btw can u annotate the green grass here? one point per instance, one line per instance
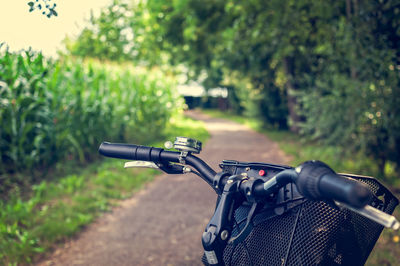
(56, 210)
(387, 249)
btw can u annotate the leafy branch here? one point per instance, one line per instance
(45, 6)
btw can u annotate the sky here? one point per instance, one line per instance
(21, 29)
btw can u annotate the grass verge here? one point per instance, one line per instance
(387, 249)
(54, 211)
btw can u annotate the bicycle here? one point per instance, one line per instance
(268, 214)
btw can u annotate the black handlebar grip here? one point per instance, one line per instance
(318, 181)
(130, 152)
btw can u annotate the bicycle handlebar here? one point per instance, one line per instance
(314, 179)
(240, 186)
(130, 152)
(156, 155)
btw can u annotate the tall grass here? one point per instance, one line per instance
(51, 111)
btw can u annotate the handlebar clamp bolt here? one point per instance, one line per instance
(224, 235)
(298, 169)
(168, 145)
(187, 169)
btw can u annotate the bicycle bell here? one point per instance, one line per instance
(186, 145)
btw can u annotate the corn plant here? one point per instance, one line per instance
(61, 110)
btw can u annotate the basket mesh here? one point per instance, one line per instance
(313, 233)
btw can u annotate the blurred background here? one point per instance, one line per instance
(321, 78)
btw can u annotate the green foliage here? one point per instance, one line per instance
(224, 42)
(357, 84)
(46, 7)
(303, 149)
(107, 37)
(60, 208)
(61, 110)
(326, 69)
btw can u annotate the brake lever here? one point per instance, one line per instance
(141, 164)
(248, 226)
(169, 168)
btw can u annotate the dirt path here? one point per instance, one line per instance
(162, 225)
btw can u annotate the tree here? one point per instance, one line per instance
(108, 36)
(326, 69)
(330, 67)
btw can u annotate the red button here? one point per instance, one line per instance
(261, 173)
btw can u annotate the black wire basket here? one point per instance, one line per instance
(309, 232)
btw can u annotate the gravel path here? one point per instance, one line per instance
(162, 224)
